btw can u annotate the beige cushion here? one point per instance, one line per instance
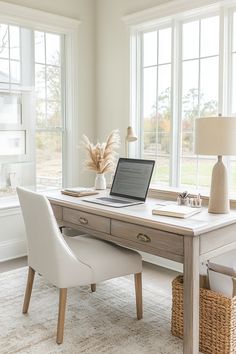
(106, 260)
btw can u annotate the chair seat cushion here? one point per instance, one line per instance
(105, 259)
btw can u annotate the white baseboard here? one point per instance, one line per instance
(166, 263)
(12, 249)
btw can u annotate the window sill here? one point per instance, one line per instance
(12, 202)
(167, 192)
(170, 193)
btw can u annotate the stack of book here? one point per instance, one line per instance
(177, 211)
(79, 191)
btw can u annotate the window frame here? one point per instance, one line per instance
(177, 13)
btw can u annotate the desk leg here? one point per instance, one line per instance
(191, 295)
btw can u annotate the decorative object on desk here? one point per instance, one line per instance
(196, 202)
(100, 181)
(217, 136)
(102, 157)
(130, 137)
(183, 198)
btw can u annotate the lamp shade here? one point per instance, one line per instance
(130, 135)
(215, 136)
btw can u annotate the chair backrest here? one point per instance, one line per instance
(48, 253)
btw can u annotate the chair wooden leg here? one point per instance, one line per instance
(28, 290)
(93, 288)
(138, 293)
(61, 315)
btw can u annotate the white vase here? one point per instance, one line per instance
(100, 181)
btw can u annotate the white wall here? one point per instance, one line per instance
(112, 63)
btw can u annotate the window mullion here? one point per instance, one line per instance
(27, 57)
(176, 103)
(227, 83)
(135, 90)
(140, 88)
(157, 99)
(199, 96)
(64, 126)
(224, 57)
(45, 73)
(228, 53)
(9, 56)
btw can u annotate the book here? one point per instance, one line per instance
(177, 211)
(79, 191)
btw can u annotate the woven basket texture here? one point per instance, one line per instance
(217, 319)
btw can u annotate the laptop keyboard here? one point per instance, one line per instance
(113, 200)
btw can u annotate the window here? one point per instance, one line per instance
(32, 118)
(185, 67)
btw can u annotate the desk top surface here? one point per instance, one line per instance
(141, 214)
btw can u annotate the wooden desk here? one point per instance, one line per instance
(187, 241)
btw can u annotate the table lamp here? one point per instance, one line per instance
(130, 137)
(217, 136)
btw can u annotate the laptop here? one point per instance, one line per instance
(130, 184)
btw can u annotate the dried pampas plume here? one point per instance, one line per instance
(102, 157)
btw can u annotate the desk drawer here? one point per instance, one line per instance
(90, 221)
(57, 210)
(147, 236)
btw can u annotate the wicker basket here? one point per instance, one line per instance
(217, 319)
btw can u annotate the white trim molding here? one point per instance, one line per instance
(34, 19)
(161, 13)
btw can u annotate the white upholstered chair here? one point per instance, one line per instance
(68, 262)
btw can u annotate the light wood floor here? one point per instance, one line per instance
(151, 273)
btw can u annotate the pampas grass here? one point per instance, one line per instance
(102, 157)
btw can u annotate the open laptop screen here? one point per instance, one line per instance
(132, 178)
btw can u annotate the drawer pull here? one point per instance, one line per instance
(143, 238)
(83, 221)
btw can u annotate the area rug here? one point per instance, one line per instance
(100, 322)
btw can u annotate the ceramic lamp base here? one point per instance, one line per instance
(219, 198)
